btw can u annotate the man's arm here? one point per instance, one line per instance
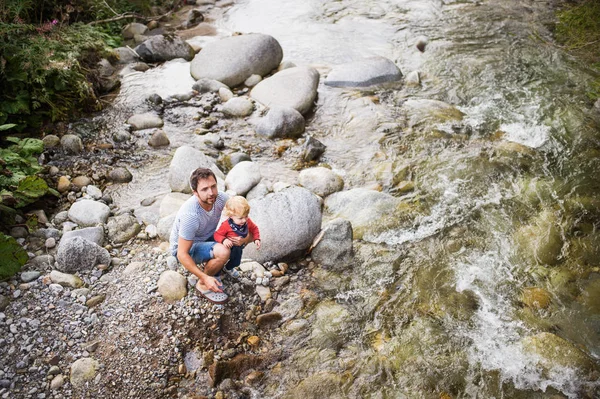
(183, 254)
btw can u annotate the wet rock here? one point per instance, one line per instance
(172, 285)
(171, 203)
(119, 175)
(234, 59)
(421, 44)
(132, 29)
(95, 301)
(185, 161)
(312, 149)
(205, 85)
(541, 241)
(77, 254)
(334, 250)
(590, 296)
(122, 228)
(238, 107)
(268, 319)
(83, 371)
(555, 351)
(125, 55)
(193, 18)
(89, 213)
(537, 298)
(293, 208)
(243, 177)
(145, 121)
(289, 308)
(258, 191)
(597, 105)
(295, 326)
(280, 122)
(233, 368)
(254, 378)
(159, 139)
(320, 385)
(65, 279)
(51, 141)
(321, 181)
(293, 88)
(330, 326)
(71, 144)
(413, 79)
(161, 48)
(93, 234)
(364, 73)
(423, 112)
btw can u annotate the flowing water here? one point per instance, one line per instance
(505, 200)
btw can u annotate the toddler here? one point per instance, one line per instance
(237, 224)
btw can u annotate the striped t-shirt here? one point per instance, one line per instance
(195, 224)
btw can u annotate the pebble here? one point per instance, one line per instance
(50, 243)
(16, 294)
(27, 277)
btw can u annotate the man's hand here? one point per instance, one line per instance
(237, 241)
(212, 283)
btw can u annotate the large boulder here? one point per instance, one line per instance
(321, 181)
(294, 88)
(171, 203)
(161, 48)
(77, 254)
(334, 249)
(88, 212)
(280, 122)
(234, 59)
(185, 161)
(288, 220)
(243, 177)
(93, 234)
(172, 285)
(122, 228)
(364, 73)
(165, 225)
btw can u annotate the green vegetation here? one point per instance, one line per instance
(13, 256)
(578, 29)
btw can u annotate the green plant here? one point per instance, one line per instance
(579, 26)
(13, 256)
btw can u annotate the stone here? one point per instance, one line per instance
(268, 319)
(252, 81)
(159, 139)
(63, 184)
(89, 213)
(541, 240)
(19, 232)
(534, 297)
(43, 261)
(82, 371)
(234, 59)
(334, 249)
(289, 308)
(121, 136)
(4, 302)
(94, 192)
(206, 85)
(280, 122)
(132, 29)
(321, 181)
(172, 286)
(119, 175)
(77, 254)
(295, 326)
(51, 141)
(164, 226)
(133, 268)
(105, 68)
(122, 228)
(95, 301)
(65, 279)
(125, 55)
(243, 177)
(364, 73)
(423, 113)
(171, 203)
(421, 44)
(93, 234)
(238, 107)
(225, 94)
(293, 88)
(319, 385)
(27, 277)
(71, 144)
(161, 48)
(57, 382)
(147, 120)
(553, 351)
(184, 162)
(258, 191)
(413, 79)
(81, 181)
(292, 209)
(263, 292)
(193, 18)
(50, 243)
(152, 231)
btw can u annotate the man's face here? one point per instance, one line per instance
(206, 192)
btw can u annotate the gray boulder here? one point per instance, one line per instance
(288, 221)
(122, 228)
(334, 250)
(312, 149)
(145, 121)
(242, 177)
(125, 55)
(77, 254)
(294, 88)
(161, 48)
(93, 234)
(89, 213)
(281, 122)
(119, 175)
(171, 203)
(364, 73)
(321, 181)
(206, 85)
(238, 107)
(258, 191)
(234, 59)
(164, 226)
(185, 161)
(71, 144)
(132, 29)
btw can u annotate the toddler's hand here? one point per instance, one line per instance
(227, 242)
(257, 242)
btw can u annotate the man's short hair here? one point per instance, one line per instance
(200, 174)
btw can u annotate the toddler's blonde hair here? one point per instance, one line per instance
(237, 206)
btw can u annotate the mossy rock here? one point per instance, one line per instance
(536, 191)
(328, 281)
(563, 280)
(307, 359)
(536, 298)
(321, 385)
(423, 113)
(586, 249)
(541, 241)
(555, 351)
(590, 297)
(331, 325)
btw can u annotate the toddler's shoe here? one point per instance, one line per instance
(233, 273)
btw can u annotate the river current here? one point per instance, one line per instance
(505, 200)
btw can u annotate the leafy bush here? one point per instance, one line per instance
(13, 256)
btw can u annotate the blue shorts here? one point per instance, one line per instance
(202, 251)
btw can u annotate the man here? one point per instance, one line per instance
(192, 235)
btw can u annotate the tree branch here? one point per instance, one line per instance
(127, 15)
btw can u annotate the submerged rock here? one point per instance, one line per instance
(145, 121)
(364, 73)
(541, 241)
(312, 149)
(294, 88)
(535, 297)
(429, 112)
(555, 351)
(334, 250)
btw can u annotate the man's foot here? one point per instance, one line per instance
(214, 297)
